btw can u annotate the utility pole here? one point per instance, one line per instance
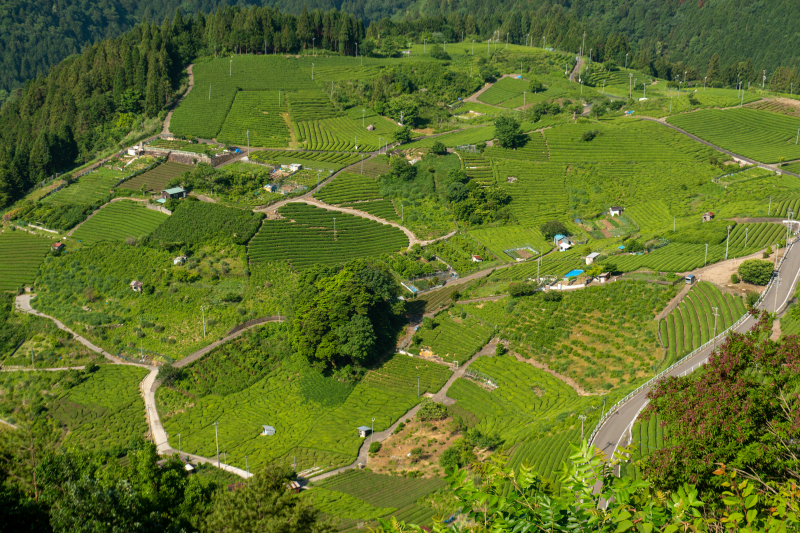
(582, 417)
(33, 365)
(705, 261)
(473, 46)
(363, 114)
(630, 85)
(716, 314)
(417, 386)
(246, 464)
(312, 71)
(727, 241)
(203, 308)
(523, 97)
(763, 79)
(583, 42)
(770, 202)
(230, 69)
(216, 439)
(248, 144)
(745, 237)
(179, 444)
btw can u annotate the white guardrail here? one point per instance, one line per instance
(687, 357)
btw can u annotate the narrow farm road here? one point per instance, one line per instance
(380, 436)
(23, 303)
(577, 69)
(59, 369)
(191, 358)
(165, 128)
(614, 430)
(474, 97)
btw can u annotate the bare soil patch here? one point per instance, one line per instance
(432, 438)
(720, 274)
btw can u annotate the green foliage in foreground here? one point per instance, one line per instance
(197, 222)
(756, 271)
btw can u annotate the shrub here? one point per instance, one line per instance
(375, 447)
(553, 296)
(400, 427)
(734, 278)
(756, 271)
(430, 410)
(91, 368)
(437, 148)
(169, 374)
(751, 299)
(552, 228)
(521, 289)
(589, 135)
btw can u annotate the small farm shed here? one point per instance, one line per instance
(363, 431)
(292, 167)
(175, 192)
(591, 257)
(137, 285)
(690, 279)
(615, 211)
(268, 431)
(563, 242)
(708, 216)
(370, 127)
(181, 259)
(477, 259)
(604, 277)
(58, 246)
(135, 150)
(293, 486)
(271, 187)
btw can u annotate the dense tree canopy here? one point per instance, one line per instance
(344, 315)
(756, 271)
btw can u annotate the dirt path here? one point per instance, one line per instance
(191, 358)
(440, 396)
(165, 128)
(576, 70)
(23, 303)
(674, 303)
(70, 232)
(60, 369)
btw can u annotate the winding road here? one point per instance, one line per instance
(614, 430)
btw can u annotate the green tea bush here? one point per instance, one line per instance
(197, 222)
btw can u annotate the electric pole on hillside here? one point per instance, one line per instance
(705, 261)
(203, 309)
(582, 417)
(334, 229)
(716, 314)
(763, 79)
(583, 42)
(216, 439)
(727, 241)
(630, 85)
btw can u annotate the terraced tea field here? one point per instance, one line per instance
(624, 140)
(547, 454)
(691, 324)
(678, 257)
(88, 189)
(344, 134)
(311, 105)
(347, 187)
(763, 136)
(454, 341)
(759, 235)
(104, 411)
(119, 220)
(503, 90)
(157, 178)
(538, 192)
(316, 433)
(379, 491)
(651, 216)
(22, 254)
(474, 135)
(259, 113)
(501, 241)
(534, 149)
(314, 160)
(527, 401)
(216, 82)
(477, 168)
(380, 208)
(306, 237)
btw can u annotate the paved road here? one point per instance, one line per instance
(615, 431)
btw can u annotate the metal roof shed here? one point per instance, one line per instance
(363, 431)
(268, 431)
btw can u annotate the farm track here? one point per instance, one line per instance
(70, 232)
(544, 368)
(165, 128)
(673, 304)
(474, 97)
(148, 385)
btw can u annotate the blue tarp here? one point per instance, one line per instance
(574, 273)
(621, 247)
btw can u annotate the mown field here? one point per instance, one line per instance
(157, 178)
(22, 254)
(119, 220)
(691, 324)
(306, 236)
